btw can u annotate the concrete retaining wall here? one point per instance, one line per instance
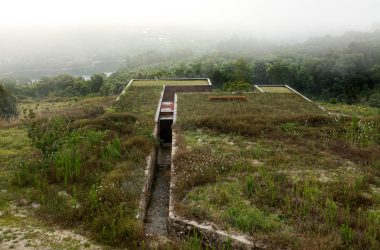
(149, 173)
(169, 91)
(148, 180)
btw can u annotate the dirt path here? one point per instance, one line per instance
(157, 213)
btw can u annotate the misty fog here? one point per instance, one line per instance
(84, 37)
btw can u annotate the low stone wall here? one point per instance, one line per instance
(148, 181)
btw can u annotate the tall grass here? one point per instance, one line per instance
(68, 163)
(92, 161)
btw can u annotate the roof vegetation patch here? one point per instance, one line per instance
(169, 82)
(227, 98)
(275, 89)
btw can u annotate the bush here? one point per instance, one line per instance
(374, 100)
(333, 101)
(114, 227)
(46, 134)
(237, 86)
(8, 104)
(251, 219)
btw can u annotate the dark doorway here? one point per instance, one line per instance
(166, 130)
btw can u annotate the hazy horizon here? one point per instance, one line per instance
(270, 19)
(61, 34)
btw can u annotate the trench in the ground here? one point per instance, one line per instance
(156, 218)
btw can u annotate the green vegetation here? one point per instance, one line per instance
(8, 104)
(140, 100)
(351, 110)
(65, 85)
(281, 169)
(237, 86)
(345, 68)
(83, 163)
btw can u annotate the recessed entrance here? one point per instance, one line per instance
(166, 130)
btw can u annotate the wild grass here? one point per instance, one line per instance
(88, 167)
(280, 168)
(141, 101)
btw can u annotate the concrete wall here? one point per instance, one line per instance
(169, 91)
(148, 180)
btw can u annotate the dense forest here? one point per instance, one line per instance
(342, 69)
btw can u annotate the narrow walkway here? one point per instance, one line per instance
(158, 208)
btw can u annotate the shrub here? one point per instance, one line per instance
(289, 127)
(347, 233)
(376, 138)
(67, 165)
(331, 212)
(113, 226)
(46, 134)
(237, 86)
(374, 100)
(8, 104)
(194, 242)
(333, 101)
(251, 219)
(112, 149)
(250, 185)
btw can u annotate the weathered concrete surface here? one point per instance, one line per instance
(148, 180)
(170, 91)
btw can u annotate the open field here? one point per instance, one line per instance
(274, 89)
(279, 169)
(168, 82)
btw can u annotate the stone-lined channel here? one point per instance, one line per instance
(156, 219)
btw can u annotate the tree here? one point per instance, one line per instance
(96, 82)
(242, 71)
(8, 104)
(375, 73)
(260, 72)
(374, 100)
(281, 72)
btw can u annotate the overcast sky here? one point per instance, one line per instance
(265, 18)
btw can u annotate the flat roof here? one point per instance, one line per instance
(275, 89)
(170, 82)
